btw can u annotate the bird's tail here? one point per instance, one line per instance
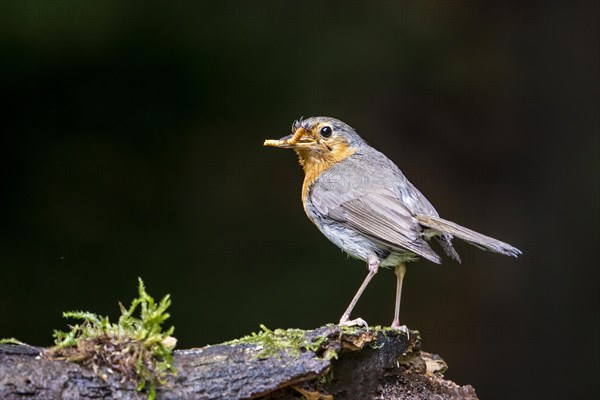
(472, 237)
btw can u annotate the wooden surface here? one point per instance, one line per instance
(370, 365)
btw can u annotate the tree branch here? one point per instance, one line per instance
(370, 364)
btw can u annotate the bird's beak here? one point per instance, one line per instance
(299, 139)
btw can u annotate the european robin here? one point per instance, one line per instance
(360, 200)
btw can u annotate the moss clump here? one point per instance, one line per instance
(135, 347)
(274, 343)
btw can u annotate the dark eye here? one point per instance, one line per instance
(326, 131)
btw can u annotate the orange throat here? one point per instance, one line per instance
(315, 163)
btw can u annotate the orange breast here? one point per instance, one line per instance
(316, 162)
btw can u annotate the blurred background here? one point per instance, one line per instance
(132, 147)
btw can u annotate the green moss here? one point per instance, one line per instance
(11, 340)
(274, 343)
(135, 346)
(353, 330)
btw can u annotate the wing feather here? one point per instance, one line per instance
(383, 218)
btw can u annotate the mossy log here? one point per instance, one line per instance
(339, 363)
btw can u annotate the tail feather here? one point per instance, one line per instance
(468, 235)
(445, 241)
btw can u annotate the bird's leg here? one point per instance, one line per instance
(345, 320)
(400, 271)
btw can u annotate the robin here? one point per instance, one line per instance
(360, 200)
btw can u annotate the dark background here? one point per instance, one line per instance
(132, 146)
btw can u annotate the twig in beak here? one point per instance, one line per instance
(272, 143)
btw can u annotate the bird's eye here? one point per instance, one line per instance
(326, 131)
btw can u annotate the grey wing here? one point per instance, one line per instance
(419, 204)
(381, 217)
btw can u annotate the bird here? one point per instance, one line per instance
(361, 201)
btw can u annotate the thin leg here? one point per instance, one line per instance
(400, 271)
(345, 320)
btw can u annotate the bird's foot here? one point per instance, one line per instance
(401, 328)
(345, 321)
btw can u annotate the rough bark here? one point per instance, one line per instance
(369, 365)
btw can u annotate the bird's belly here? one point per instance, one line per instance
(398, 257)
(358, 246)
(354, 243)
(349, 240)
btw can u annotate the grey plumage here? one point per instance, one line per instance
(382, 207)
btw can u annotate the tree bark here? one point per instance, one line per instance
(370, 364)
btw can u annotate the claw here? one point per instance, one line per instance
(401, 328)
(354, 322)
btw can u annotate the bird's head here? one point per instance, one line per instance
(320, 141)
